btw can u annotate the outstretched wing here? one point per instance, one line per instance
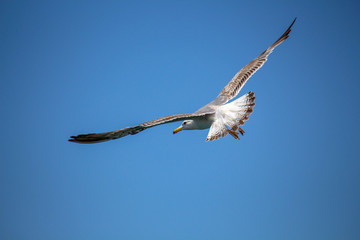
(234, 86)
(106, 136)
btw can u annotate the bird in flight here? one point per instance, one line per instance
(221, 117)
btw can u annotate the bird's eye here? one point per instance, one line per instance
(184, 123)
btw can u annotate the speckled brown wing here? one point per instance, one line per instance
(234, 86)
(106, 136)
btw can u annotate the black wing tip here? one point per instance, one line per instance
(88, 138)
(78, 140)
(72, 139)
(293, 22)
(289, 28)
(75, 139)
(282, 38)
(286, 34)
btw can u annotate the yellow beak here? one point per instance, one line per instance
(177, 130)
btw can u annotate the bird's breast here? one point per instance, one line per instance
(203, 123)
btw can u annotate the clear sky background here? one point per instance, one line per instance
(71, 67)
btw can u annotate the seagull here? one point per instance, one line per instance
(221, 117)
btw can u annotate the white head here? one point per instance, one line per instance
(186, 125)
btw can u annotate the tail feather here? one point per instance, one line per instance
(233, 115)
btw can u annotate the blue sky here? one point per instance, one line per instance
(71, 67)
